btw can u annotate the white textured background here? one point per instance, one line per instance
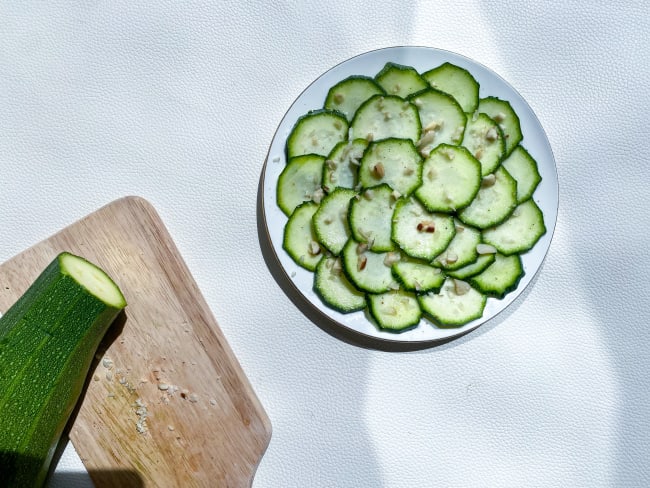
(178, 101)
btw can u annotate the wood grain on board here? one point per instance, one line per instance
(167, 403)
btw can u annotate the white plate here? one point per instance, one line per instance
(422, 59)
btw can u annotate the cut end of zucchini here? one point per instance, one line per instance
(93, 279)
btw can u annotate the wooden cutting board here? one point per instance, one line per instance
(166, 404)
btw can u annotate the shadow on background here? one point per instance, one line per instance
(118, 478)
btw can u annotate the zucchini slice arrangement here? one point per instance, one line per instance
(409, 196)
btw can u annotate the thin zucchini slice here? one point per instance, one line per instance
(482, 262)
(503, 114)
(331, 220)
(300, 241)
(348, 94)
(400, 80)
(519, 232)
(501, 277)
(523, 168)
(418, 276)
(341, 168)
(451, 177)
(333, 287)
(300, 179)
(484, 139)
(443, 120)
(462, 248)
(419, 233)
(395, 310)
(384, 116)
(456, 81)
(456, 304)
(370, 217)
(368, 271)
(494, 202)
(395, 162)
(317, 132)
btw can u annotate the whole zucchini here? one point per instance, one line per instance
(47, 342)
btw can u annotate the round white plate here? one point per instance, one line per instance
(422, 59)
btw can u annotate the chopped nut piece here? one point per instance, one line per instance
(370, 137)
(314, 248)
(362, 247)
(479, 153)
(488, 180)
(451, 257)
(318, 195)
(461, 287)
(491, 135)
(391, 258)
(427, 138)
(395, 194)
(369, 194)
(378, 170)
(426, 226)
(338, 98)
(361, 264)
(459, 228)
(331, 164)
(500, 117)
(485, 249)
(408, 171)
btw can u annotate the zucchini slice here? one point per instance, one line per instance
(384, 116)
(348, 94)
(317, 132)
(462, 248)
(331, 220)
(442, 119)
(523, 168)
(456, 304)
(370, 217)
(520, 232)
(368, 271)
(419, 233)
(395, 162)
(299, 180)
(48, 339)
(333, 287)
(500, 277)
(418, 276)
(503, 114)
(341, 168)
(395, 310)
(484, 139)
(494, 202)
(300, 240)
(400, 80)
(456, 81)
(451, 177)
(482, 262)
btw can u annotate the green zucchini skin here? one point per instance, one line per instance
(48, 339)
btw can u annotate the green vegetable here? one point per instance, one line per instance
(47, 342)
(424, 206)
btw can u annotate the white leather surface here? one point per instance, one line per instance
(178, 101)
